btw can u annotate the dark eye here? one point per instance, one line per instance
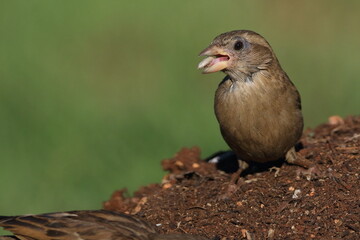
(238, 45)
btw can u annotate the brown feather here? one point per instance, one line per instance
(83, 225)
(76, 225)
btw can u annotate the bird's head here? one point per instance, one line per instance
(237, 53)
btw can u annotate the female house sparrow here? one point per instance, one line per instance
(84, 225)
(257, 106)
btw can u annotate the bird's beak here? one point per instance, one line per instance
(217, 59)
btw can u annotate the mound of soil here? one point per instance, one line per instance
(288, 202)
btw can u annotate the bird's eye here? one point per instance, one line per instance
(238, 45)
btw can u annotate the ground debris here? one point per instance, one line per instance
(275, 206)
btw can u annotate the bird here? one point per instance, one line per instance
(257, 106)
(84, 225)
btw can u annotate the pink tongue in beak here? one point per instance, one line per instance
(214, 63)
(219, 59)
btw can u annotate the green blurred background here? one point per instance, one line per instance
(95, 93)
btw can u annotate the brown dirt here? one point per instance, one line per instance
(291, 203)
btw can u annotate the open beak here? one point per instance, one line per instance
(217, 59)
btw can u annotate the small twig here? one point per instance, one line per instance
(355, 136)
(196, 207)
(341, 182)
(332, 152)
(352, 227)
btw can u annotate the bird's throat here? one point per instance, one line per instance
(240, 76)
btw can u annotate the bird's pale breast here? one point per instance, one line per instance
(259, 120)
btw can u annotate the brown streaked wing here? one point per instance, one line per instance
(77, 225)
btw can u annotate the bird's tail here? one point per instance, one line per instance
(8, 238)
(3, 218)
